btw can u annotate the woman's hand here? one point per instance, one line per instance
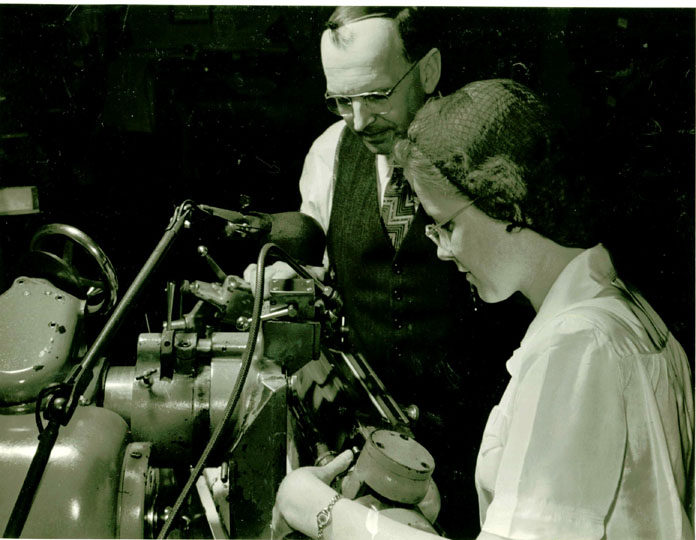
(304, 493)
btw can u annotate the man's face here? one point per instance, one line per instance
(373, 61)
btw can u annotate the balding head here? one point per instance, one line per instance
(366, 55)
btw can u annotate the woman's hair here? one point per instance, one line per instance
(497, 143)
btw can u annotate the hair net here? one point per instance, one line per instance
(496, 141)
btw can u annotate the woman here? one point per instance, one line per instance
(593, 435)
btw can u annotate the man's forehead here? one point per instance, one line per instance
(369, 40)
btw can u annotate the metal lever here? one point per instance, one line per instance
(171, 289)
(203, 252)
(290, 310)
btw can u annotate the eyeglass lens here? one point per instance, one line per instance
(374, 103)
(437, 234)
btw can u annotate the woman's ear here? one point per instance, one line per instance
(430, 70)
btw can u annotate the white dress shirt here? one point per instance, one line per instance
(317, 180)
(594, 433)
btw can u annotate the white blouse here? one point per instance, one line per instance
(593, 436)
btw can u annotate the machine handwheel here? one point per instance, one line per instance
(52, 251)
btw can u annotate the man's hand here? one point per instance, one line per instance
(277, 270)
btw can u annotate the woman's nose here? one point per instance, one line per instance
(444, 254)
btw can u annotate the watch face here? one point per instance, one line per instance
(323, 517)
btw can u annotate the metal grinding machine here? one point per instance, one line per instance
(192, 437)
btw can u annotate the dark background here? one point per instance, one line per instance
(119, 113)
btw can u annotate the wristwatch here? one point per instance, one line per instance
(324, 516)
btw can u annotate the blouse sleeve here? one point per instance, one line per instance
(562, 461)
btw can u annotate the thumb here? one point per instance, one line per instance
(249, 275)
(335, 467)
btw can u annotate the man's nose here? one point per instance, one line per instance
(362, 117)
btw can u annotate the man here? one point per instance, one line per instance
(402, 305)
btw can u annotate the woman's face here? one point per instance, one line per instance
(479, 245)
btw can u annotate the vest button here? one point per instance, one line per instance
(398, 296)
(396, 268)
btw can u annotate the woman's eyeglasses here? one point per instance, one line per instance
(440, 233)
(374, 102)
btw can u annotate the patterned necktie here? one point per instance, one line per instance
(398, 207)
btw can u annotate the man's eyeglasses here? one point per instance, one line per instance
(440, 233)
(374, 102)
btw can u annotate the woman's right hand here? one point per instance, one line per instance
(305, 492)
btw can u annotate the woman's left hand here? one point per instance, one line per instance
(303, 494)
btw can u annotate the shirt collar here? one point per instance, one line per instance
(582, 278)
(385, 164)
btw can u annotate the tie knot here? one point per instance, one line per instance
(397, 177)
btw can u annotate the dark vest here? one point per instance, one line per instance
(406, 310)
(411, 315)
(401, 307)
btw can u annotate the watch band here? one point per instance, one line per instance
(324, 516)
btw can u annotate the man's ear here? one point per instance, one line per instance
(430, 70)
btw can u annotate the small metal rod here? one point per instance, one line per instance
(212, 516)
(171, 291)
(290, 310)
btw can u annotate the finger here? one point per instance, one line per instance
(278, 270)
(249, 275)
(335, 467)
(267, 278)
(283, 270)
(317, 271)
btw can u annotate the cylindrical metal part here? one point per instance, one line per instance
(78, 493)
(118, 390)
(227, 344)
(223, 376)
(395, 466)
(165, 411)
(178, 412)
(138, 481)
